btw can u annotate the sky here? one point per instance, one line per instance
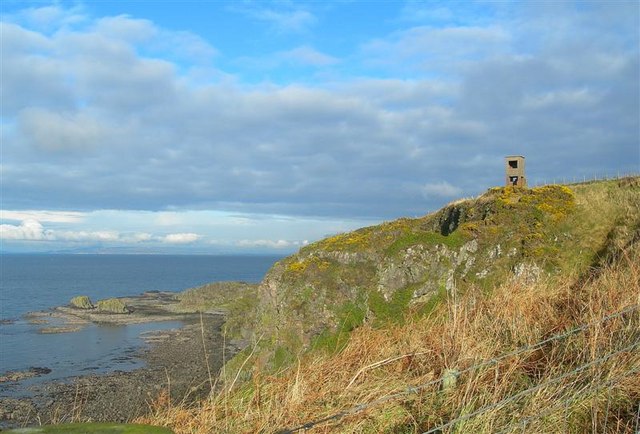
(262, 126)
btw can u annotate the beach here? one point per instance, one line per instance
(180, 364)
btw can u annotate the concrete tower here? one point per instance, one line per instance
(514, 165)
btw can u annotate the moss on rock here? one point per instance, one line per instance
(112, 305)
(81, 302)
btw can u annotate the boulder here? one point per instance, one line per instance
(112, 305)
(81, 302)
(449, 379)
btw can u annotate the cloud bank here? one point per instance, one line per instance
(119, 113)
(33, 230)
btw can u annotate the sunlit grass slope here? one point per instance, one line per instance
(492, 346)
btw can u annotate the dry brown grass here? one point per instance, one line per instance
(459, 334)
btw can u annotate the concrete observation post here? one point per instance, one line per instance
(514, 167)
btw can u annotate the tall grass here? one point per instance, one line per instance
(456, 335)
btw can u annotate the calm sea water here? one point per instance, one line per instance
(39, 282)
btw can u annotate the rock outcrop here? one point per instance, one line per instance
(384, 272)
(81, 302)
(112, 305)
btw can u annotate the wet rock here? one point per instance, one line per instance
(59, 329)
(21, 375)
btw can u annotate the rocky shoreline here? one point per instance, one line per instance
(179, 365)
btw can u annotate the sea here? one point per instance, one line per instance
(36, 282)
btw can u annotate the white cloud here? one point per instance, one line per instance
(123, 27)
(84, 236)
(125, 126)
(181, 238)
(55, 131)
(299, 57)
(31, 75)
(43, 216)
(186, 45)
(52, 17)
(138, 237)
(422, 11)
(206, 230)
(306, 55)
(441, 189)
(578, 98)
(288, 21)
(285, 20)
(272, 244)
(438, 49)
(31, 230)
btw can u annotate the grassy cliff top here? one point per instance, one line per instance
(381, 273)
(552, 350)
(424, 320)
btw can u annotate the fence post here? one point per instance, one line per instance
(606, 413)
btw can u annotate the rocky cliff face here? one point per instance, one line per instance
(380, 273)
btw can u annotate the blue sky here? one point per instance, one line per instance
(246, 126)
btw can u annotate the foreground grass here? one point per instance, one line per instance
(92, 428)
(586, 382)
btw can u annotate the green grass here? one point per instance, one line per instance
(393, 310)
(433, 302)
(93, 428)
(455, 240)
(350, 315)
(218, 295)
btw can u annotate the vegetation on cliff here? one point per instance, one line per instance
(459, 333)
(384, 273)
(237, 300)
(358, 317)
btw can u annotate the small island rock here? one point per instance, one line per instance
(112, 305)
(82, 302)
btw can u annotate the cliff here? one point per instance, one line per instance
(516, 311)
(405, 267)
